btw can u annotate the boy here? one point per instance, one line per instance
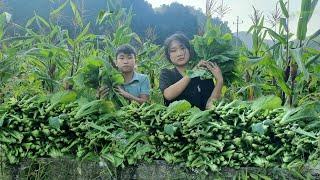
(136, 86)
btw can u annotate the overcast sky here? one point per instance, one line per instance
(243, 8)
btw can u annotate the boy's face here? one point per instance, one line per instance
(126, 62)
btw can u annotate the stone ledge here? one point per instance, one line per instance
(66, 168)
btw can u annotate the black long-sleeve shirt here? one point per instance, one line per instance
(197, 92)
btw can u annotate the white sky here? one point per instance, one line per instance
(243, 8)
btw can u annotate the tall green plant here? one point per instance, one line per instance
(297, 59)
(249, 64)
(150, 60)
(214, 46)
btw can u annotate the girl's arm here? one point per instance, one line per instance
(176, 89)
(216, 93)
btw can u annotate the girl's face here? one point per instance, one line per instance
(179, 54)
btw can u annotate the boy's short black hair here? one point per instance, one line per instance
(126, 49)
(181, 38)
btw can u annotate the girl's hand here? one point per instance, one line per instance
(201, 64)
(214, 69)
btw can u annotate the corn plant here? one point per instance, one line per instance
(150, 60)
(289, 67)
(253, 83)
(294, 57)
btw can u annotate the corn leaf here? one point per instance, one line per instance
(2, 119)
(30, 21)
(313, 36)
(307, 112)
(306, 11)
(76, 13)
(297, 56)
(312, 59)
(59, 9)
(284, 9)
(43, 21)
(82, 36)
(303, 132)
(276, 36)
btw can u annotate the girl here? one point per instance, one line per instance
(176, 85)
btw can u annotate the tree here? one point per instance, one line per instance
(161, 22)
(175, 18)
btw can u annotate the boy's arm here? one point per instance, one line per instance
(144, 92)
(141, 99)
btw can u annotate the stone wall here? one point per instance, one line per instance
(68, 169)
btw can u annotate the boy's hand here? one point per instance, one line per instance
(123, 93)
(102, 92)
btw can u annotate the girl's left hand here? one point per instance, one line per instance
(214, 69)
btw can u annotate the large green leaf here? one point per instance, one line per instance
(313, 36)
(179, 106)
(43, 21)
(260, 128)
(105, 129)
(284, 9)
(170, 129)
(30, 21)
(2, 119)
(55, 122)
(196, 73)
(82, 36)
(115, 159)
(4, 18)
(297, 56)
(59, 9)
(102, 16)
(76, 13)
(283, 23)
(89, 108)
(267, 103)
(303, 132)
(94, 61)
(312, 8)
(63, 97)
(277, 36)
(216, 47)
(307, 112)
(254, 60)
(2, 25)
(303, 19)
(276, 72)
(117, 78)
(312, 60)
(306, 12)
